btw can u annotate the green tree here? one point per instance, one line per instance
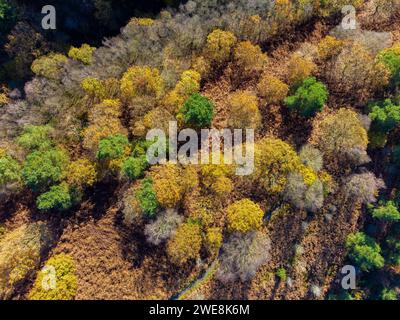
(10, 171)
(44, 168)
(58, 198)
(147, 198)
(309, 98)
(112, 147)
(389, 294)
(197, 111)
(35, 137)
(385, 117)
(364, 251)
(133, 167)
(386, 211)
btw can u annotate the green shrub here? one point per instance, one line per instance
(197, 111)
(147, 198)
(390, 57)
(133, 167)
(112, 147)
(364, 251)
(43, 168)
(386, 211)
(64, 284)
(58, 198)
(35, 137)
(309, 98)
(281, 274)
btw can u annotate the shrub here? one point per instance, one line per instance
(244, 216)
(341, 135)
(163, 228)
(43, 168)
(35, 137)
(243, 111)
(242, 255)
(58, 198)
(81, 173)
(133, 167)
(147, 198)
(311, 157)
(249, 60)
(112, 147)
(299, 69)
(385, 118)
(197, 111)
(219, 46)
(281, 274)
(65, 281)
(142, 81)
(329, 47)
(364, 251)
(20, 252)
(49, 66)
(94, 88)
(186, 243)
(273, 90)
(82, 54)
(309, 98)
(363, 187)
(386, 211)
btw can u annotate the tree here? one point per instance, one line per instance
(134, 167)
(243, 111)
(43, 168)
(142, 81)
(112, 147)
(242, 255)
(390, 58)
(66, 281)
(81, 173)
(386, 211)
(341, 135)
(20, 253)
(186, 243)
(163, 228)
(248, 59)
(10, 172)
(386, 117)
(309, 98)
(274, 159)
(49, 66)
(311, 157)
(35, 137)
(364, 251)
(244, 216)
(356, 74)
(58, 198)
(147, 198)
(389, 294)
(219, 46)
(82, 54)
(299, 69)
(329, 47)
(363, 187)
(197, 111)
(273, 90)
